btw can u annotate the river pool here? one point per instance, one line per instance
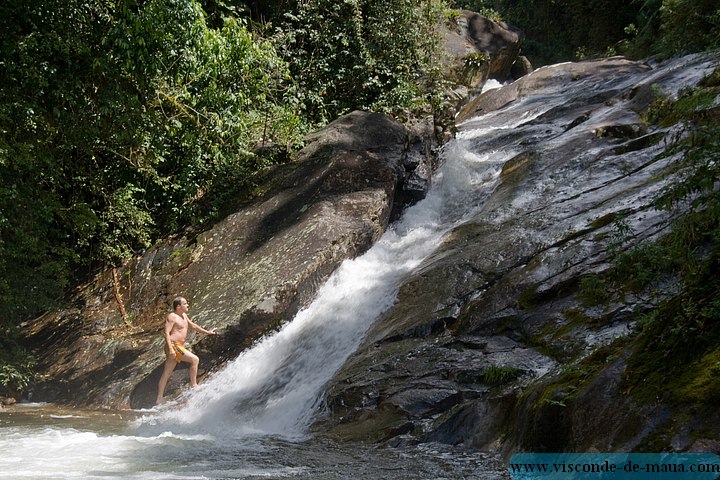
(43, 441)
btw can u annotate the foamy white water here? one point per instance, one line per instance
(89, 446)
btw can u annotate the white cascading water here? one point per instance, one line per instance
(276, 386)
(275, 389)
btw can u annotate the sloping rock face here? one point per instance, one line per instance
(248, 274)
(490, 345)
(550, 78)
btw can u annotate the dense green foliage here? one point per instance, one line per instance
(681, 337)
(120, 123)
(562, 30)
(378, 55)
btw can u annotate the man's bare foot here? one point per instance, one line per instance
(160, 401)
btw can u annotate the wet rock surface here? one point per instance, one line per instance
(476, 352)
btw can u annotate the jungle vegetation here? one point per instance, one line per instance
(125, 121)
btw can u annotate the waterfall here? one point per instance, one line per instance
(276, 386)
(242, 421)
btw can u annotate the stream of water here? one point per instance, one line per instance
(46, 442)
(250, 420)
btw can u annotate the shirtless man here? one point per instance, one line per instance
(177, 324)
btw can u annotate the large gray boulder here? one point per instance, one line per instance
(249, 273)
(481, 48)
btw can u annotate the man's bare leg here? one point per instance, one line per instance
(194, 362)
(170, 365)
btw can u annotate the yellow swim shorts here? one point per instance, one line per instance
(178, 350)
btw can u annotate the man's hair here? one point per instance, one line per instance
(177, 302)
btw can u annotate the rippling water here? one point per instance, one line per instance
(40, 441)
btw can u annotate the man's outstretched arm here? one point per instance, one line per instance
(198, 328)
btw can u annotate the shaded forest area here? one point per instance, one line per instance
(123, 122)
(565, 30)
